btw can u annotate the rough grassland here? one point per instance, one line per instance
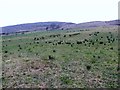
(71, 58)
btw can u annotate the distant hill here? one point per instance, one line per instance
(29, 27)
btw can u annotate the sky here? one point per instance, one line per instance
(14, 12)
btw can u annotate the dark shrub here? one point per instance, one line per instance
(5, 56)
(42, 38)
(6, 51)
(101, 42)
(35, 38)
(36, 54)
(99, 57)
(107, 36)
(47, 28)
(59, 42)
(50, 57)
(83, 41)
(98, 32)
(86, 40)
(90, 40)
(37, 42)
(67, 42)
(90, 34)
(70, 35)
(92, 43)
(88, 67)
(93, 56)
(79, 42)
(54, 50)
(64, 36)
(19, 55)
(104, 43)
(108, 41)
(96, 40)
(49, 42)
(20, 48)
(111, 48)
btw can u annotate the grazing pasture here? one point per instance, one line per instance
(61, 58)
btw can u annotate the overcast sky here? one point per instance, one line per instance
(77, 11)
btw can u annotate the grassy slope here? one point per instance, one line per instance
(45, 63)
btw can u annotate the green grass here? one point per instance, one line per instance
(45, 63)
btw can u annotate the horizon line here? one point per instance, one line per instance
(56, 21)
